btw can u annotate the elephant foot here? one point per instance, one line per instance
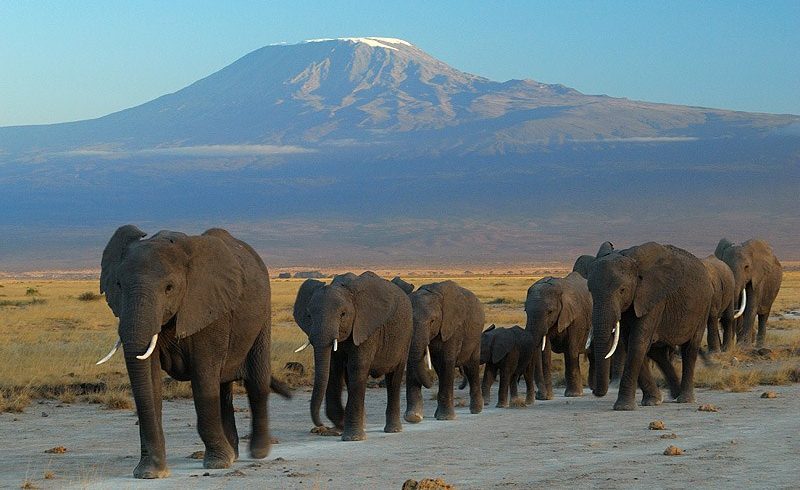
(529, 399)
(147, 469)
(651, 401)
(476, 406)
(354, 435)
(502, 404)
(685, 398)
(216, 459)
(621, 405)
(445, 414)
(413, 416)
(573, 392)
(540, 395)
(392, 427)
(259, 446)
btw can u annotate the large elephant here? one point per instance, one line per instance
(450, 320)
(656, 297)
(359, 326)
(197, 307)
(722, 310)
(510, 352)
(757, 278)
(559, 315)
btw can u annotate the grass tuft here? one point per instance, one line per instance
(89, 296)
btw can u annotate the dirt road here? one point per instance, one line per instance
(565, 442)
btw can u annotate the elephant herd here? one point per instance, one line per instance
(198, 307)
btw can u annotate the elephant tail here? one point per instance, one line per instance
(280, 388)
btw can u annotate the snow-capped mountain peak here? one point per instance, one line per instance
(375, 42)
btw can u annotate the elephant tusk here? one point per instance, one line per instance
(302, 347)
(740, 311)
(428, 357)
(335, 345)
(150, 349)
(108, 356)
(616, 341)
(544, 342)
(589, 340)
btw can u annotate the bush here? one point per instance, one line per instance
(31, 292)
(88, 296)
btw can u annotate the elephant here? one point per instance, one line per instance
(559, 315)
(655, 297)
(757, 278)
(450, 320)
(197, 307)
(581, 266)
(722, 311)
(509, 351)
(407, 287)
(359, 326)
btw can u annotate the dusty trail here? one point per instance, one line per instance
(750, 442)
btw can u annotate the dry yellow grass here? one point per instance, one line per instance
(49, 347)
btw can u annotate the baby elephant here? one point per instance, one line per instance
(510, 351)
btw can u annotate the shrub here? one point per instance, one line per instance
(31, 292)
(88, 296)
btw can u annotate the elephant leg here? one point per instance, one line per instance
(689, 353)
(502, 392)
(414, 403)
(651, 393)
(572, 372)
(746, 335)
(712, 336)
(207, 404)
(662, 354)
(472, 370)
(153, 461)
(514, 385)
(444, 407)
(257, 384)
(334, 409)
(489, 373)
(228, 419)
(529, 390)
(762, 329)
(728, 331)
(357, 373)
(590, 358)
(394, 381)
(638, 344)
(618, 362)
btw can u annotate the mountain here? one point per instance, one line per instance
(373, 148)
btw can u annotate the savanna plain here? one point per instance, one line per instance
(66, 422)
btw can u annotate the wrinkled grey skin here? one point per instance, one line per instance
(722, 307)
(508, 351)
(756, 270)
(581, 266)
(450, 320)
(407, 287)
(661, 295)
(208, 299)
(560, 310)
(372, 320)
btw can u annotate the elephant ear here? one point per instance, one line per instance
(454, 311)
(576, 303)
(723, 245)
(582, 264)
(656, 282)
(487, 340)
(374, 306)
(112, 257)
(213, 284)
(503, 343)
(304, 294)
(569, 309)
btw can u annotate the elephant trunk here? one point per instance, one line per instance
(322, 365)
(417, 360)
(604, 321)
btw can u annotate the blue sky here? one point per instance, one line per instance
(62, 61)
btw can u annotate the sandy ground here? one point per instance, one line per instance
(565, 442)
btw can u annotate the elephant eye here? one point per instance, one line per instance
(169, 287)
(119, 285)
(343, 314)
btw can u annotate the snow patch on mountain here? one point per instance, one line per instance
(375, 42)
